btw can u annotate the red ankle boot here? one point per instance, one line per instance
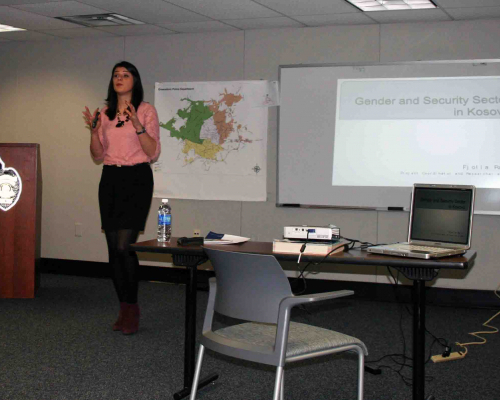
(131, 319)
(119, 322)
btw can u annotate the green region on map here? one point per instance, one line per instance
(195, 114)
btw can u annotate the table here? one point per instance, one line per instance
(419, 271)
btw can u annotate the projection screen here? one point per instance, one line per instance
(361, 135)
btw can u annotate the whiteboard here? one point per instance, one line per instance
(359, 136)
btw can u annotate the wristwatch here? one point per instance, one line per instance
(141, 131)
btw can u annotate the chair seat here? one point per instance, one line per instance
(302, 339)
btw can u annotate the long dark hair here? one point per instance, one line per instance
(137, 90)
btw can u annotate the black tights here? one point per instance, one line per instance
(124, 263)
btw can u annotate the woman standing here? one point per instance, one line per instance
(126, 137)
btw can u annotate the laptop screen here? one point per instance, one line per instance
(442, 214)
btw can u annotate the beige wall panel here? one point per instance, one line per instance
(55, 81)
(392, 226)
(185, 58)
(266, 50)
(353, 224)
(457, 40)
(206, 216)
(10, 111)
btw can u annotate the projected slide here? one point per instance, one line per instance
(394, 132)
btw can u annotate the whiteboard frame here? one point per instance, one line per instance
(406, 190)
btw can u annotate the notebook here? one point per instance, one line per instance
(440, 222)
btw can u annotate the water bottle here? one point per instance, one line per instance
(164, 221)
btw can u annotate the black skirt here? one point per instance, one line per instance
(125, 195)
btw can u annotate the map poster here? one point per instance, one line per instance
(213, 139)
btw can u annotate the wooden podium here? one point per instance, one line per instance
(20, 219)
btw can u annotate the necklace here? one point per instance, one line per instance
(120, 122)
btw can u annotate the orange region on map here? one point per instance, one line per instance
(224, 128)
(229, 98)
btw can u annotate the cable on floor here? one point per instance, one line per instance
(479, 333)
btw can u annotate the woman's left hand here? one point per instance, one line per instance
(131, 112)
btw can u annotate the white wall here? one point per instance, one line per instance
(44, 86)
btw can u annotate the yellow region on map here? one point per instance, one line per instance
(206, 150)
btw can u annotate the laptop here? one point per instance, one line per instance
(440, 222)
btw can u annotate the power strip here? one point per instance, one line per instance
(451, 357)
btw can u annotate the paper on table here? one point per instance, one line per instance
(225, 239)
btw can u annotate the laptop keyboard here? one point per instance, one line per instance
(427, 248)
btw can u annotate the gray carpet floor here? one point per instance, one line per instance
(60, 346)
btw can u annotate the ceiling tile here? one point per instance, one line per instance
(150, 11)
(428, 15)
(336, 19)
(25, 36)
(172, 16)
(78, 33)
(60, 9)
(15, 2)
(227, 9)
(309, 7)
(135, 30)
(261, 23)
(22, 19)
(466, 3)
(474, 13)
(191, 27)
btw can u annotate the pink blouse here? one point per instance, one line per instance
(121, 145)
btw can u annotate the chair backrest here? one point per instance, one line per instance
(249, 286)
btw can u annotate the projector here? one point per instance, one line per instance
(303, 232)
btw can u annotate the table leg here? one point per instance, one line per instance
(191, 263)
(419, 276)
(418, 339)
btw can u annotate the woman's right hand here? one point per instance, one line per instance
(89, 118)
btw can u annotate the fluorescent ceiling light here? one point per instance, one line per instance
(7, 28)
(391, 5)
(96, 20)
